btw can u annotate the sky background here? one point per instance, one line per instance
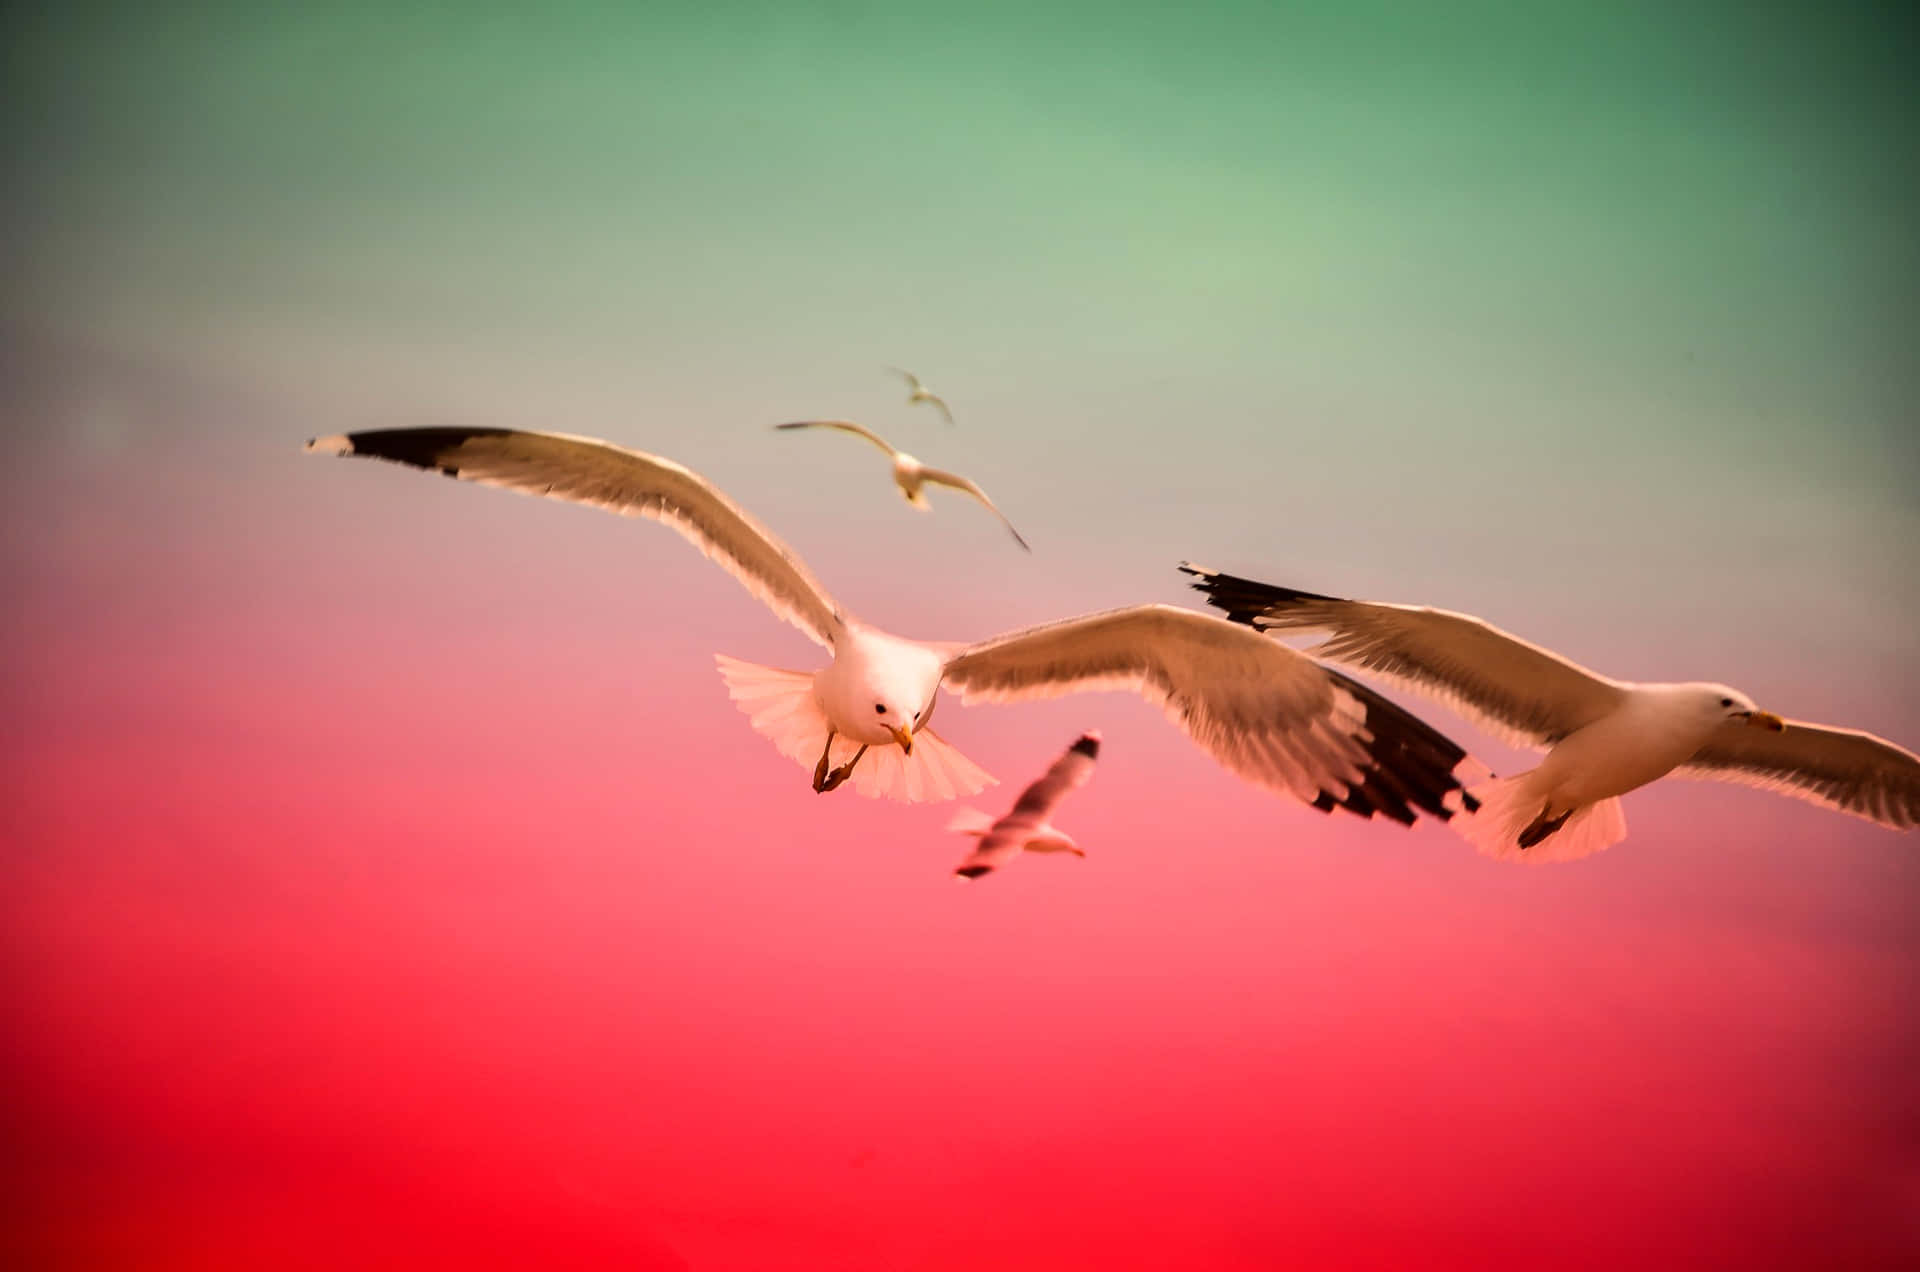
(388, 880)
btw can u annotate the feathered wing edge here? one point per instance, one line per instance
(1395, 764)
(598, 474)
(1383, 653)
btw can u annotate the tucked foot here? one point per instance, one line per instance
(1542, 827)
(838, 775)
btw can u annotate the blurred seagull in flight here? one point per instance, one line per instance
(1263, 711)
(911, 475)
(1026, 828)
(923, 394)
(1602, 737)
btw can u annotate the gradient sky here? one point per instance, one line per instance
(387, 879)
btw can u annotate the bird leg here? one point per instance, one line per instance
(1542, 827)
(845, 771)
(823, 780)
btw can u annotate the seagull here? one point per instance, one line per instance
(910, 474)
(1026, 828)
(1263, 711)
(1603, 737)
(921, 393)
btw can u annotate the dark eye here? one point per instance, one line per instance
(916, 715)
(1726, 702)
(880, 708)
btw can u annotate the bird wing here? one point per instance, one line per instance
(845, 426)
(940, 477)
(1266, 712)
(909, 377)
(1842, 769)
(1068, 774)
(582, 470)
(945, 410)
(1522, 693)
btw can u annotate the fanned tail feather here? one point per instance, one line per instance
(1510, 805)
(782, 708)
(779, 705)
(935, 771)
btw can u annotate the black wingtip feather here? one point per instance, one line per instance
(1413, 763)
(428, 448)
(1245, 599)
(1088, 745)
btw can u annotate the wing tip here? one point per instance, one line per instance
(1088, 744)
(332, 444)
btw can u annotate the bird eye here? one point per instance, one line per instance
(1726, 702)
(880, 708)
(916, 715)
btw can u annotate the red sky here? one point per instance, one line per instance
(389, 881)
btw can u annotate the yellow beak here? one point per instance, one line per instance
(1768, 721)
(901, 736)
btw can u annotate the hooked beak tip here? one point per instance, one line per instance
(1768, 721)
(904, 738)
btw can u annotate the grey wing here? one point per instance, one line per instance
(941, 477)
(1522, 693)
(1266, 712)
(585, 471)
(1067, 774)
(913, 381)
(1841, 769)
(844, 426)
(940, 402)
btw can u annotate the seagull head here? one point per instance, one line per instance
(898, 714)
(1731, 704)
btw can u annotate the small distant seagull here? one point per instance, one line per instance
(1603, 737)
(1026, 828)
(910, 474)
(921, 393)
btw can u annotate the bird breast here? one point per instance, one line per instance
(1646, 739)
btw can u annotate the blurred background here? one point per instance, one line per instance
(387, 879)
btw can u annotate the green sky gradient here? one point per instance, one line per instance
(1635, 267)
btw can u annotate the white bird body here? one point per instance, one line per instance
(1602, 737)
(873, 667)
(1657, 729)
(910, 474)
(1264, 712)
(1046, 837)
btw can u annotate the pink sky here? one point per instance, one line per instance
(390, 881)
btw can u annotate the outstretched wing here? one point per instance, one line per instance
(1522, 693)
(1841, 769)
(913, 381)
(1264, 711)
(584, 471)
(941, 403)
(845, 426)
(939, 477)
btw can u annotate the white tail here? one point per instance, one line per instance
(782, 708)
(970, 821)
(1509, 805)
